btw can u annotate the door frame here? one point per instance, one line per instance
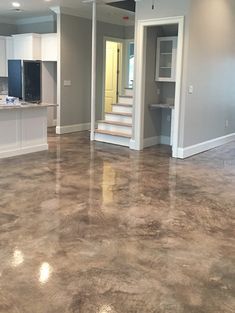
(117, 40)
(126, 55)
(137, 141)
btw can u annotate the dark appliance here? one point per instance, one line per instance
(24, 80)
(128, 5)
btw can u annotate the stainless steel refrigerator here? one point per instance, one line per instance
(24, 80)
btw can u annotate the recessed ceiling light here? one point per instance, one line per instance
(16, 4)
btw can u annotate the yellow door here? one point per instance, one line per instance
(111, 74)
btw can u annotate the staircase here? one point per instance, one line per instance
(116, 128)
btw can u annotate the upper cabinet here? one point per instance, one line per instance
(6, 49)
(49, 47)
(27, 47)
(166, 59)
(35, 47)
(3, 57)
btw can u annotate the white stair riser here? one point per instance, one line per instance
(116, 140)
(115, 128)
(129, 92)
(118, 118)
(125, 100)
(122, 109)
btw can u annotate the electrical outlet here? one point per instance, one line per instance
(226, 124)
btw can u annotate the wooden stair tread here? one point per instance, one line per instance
(124, 96)
(116, 123)
(120, 113)
(128, 105)
(108, 132)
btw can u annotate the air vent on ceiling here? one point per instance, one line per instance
(128, 5)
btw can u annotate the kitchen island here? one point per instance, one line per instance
(23, 128)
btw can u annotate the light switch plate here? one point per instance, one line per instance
(67, 83)
(190, 89)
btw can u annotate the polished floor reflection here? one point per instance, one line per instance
(94, 228)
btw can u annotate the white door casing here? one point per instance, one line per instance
(137, 142)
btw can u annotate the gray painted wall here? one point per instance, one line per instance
(76, 66)
(211, 70)
(129, 32)
(208, 64)
(40, 28)
(7, 29)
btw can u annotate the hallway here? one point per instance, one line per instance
(95, 228)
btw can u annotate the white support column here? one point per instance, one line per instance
(93, 72)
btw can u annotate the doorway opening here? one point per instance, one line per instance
(113, 73)
(158, 75)
(131, 61)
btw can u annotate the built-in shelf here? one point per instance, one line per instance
(161, 106)
(166, 59)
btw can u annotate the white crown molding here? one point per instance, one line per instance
(56, 10)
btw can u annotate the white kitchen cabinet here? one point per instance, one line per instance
(27, 46)
(3, 57)
(49, 47)
(166, 59)
(9, 51)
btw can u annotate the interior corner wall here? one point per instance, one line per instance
(76, 66)
(211, 71)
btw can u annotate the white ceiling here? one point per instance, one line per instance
(33, 8)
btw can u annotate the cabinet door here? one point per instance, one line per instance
(49, 47)
(166, 59)
(9, 51)
(23, 45)
(27, 47)
(3, 69)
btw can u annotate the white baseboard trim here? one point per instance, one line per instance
(23, 150)
(72, 128)
(134, 146)
(157, 140)
(151, 141)
(204, 146)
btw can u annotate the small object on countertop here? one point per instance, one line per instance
(12, 100)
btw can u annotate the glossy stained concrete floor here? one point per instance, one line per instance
(94, 228)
